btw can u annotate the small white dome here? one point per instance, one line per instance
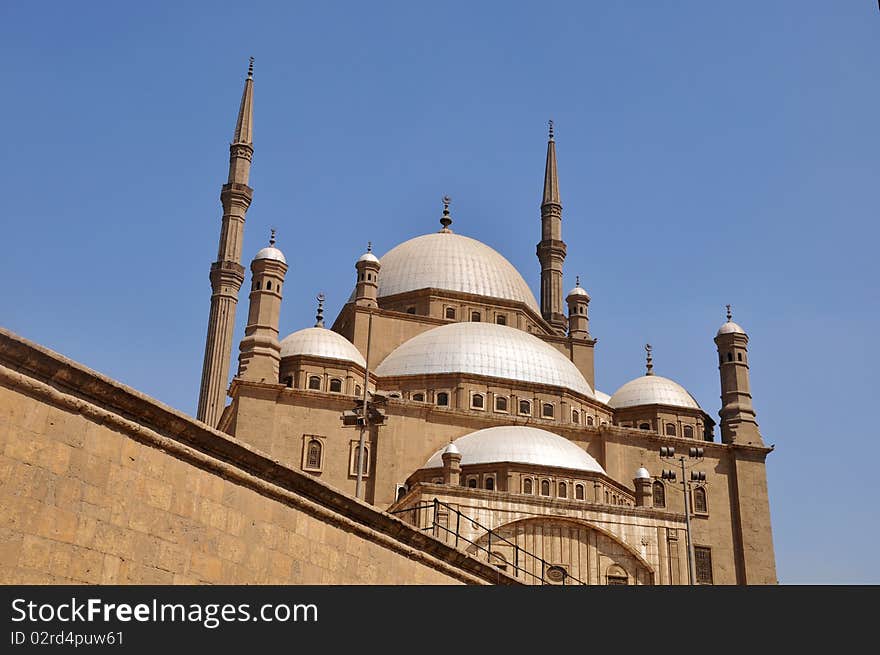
(485, 349)
(578, 291)
(452, 262)
(271, 252)
(729, 328)
(519, 445)
(369, 257)
(452, 449)
(652, 390)
(601, 396)
(642, 474)
(321, 342)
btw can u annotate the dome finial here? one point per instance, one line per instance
(369, 246)
(550, 123)
(649, 360)
(446, 219)
(320, 316)
(729, 314)
(272, 237)
(577, 280)
(251, 69)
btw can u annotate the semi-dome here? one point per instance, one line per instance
(271, 252)
(485, 349)
(519, 444)
(729, 328)
(652, 390)
(452, 262)
(642, 474)
(321, 342)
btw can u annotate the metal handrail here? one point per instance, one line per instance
(567, 578)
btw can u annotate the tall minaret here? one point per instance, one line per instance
(551, 249)
(227, 273)
(738, 424)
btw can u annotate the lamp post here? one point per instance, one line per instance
(668, 452)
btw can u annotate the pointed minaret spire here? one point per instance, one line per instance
(649, 360)
(551, 249)
(446, 219)
(244, 126)
(319, 317)
(227, 273)
(551, 177)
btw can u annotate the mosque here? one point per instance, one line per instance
(445, 427)
(445, 393)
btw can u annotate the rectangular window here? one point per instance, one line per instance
(703, 564)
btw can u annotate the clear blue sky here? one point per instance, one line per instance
(709, 153)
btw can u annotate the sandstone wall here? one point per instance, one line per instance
(100, 484)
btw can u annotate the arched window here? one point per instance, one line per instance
(419, 397)
(689, 431)
(450, 312)
(729, 357)
(525, 407)
(477, 401)
(258, 285)
(563, 490)
(336, 385)
(443, 399)
(659, 494)
(739, 357)
(268, 285)
(357, 390)
(590, 420)
(545, 487)
(644, 426)
(314, 382)
(501, 319)
(410, 310)
(579, 491)
(527, 486)
(313, 455)
(670, 429)
(472, 483)
(401, 491)
(475, 317)
(700, 504)
(500, 404)
(288, 381)
(616, 575)
(490, 484)
(355, 458)
(575, 416)
(547, 410)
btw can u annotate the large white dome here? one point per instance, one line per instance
(519, 444)
(484, 349)
(449, 261)
(321, 342)
(652, 390)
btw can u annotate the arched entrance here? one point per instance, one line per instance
(545, 550)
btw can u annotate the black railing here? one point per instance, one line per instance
(520, 555)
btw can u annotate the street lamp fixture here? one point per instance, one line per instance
(668, 452)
